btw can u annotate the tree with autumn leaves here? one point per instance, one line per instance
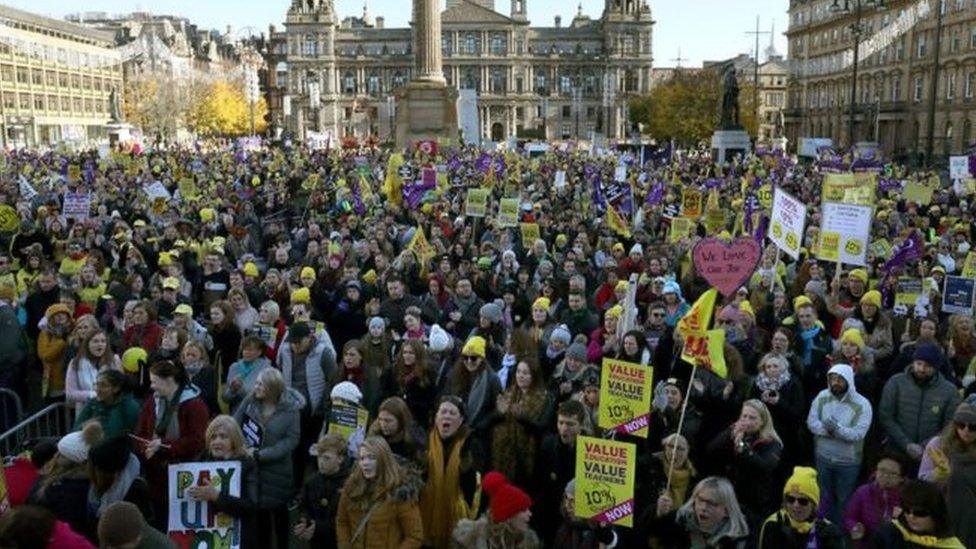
(162, 106)
(686, 107)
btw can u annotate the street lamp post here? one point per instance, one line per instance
(935, 82)
(857, 7)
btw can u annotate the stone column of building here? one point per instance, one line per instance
(427, 28)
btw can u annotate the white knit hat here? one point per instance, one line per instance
(74, 446)
(439, 340)
(347, 391)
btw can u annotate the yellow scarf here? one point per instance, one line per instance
(801, 527)
(928, 541)
(444, 485)
(680, 479)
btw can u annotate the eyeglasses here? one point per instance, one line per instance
(918, 513)
(971, 427)
(469, 358)
(791, 500)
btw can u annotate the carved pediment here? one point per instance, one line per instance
(467, 12)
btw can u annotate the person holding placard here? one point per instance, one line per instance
(225, 442)
(269, 418)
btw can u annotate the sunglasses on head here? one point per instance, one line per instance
(971, 427)
(792, 500)
(918, 513)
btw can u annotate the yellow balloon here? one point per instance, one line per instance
(132, 357)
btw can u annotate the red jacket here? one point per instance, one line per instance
(147, 337)
(192, 417)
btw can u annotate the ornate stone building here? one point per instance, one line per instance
(558, 82)
(894, 78)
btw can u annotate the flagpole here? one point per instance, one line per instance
(681, 421)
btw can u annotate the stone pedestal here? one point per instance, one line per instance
(426, 110)
(728, 143)
(119, 132)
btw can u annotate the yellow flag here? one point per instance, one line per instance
(393, 184)
(423, 250)
(706, 349)
(700, 315)
(617, 223)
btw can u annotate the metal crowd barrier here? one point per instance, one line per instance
(52, 421)
(11, 409)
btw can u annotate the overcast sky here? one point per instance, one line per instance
(701, 29)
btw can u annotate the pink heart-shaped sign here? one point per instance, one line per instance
(726, 266)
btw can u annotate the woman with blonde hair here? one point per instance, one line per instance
(711, 517)
(377, 509)
(225, 442)
(749, 451)
(269, 417)
(245, 315)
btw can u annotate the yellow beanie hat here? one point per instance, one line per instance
(307, 272)
(800, 301)
(301, 295)
(853, 335)
(542, 303)
(804, 481)
(614, 312)
(207, 215)
(369, 277)
(475, 347)
(746, 307)
(859, 274)
(621, 285)
(871, 298)
(250, 269)
(165, 259)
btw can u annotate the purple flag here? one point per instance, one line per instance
(907, 250)
(656, 194)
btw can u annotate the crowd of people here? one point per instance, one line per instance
(234, 303)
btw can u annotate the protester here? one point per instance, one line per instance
(321, 493)
(711, 517)
(875, 503)
(376, 509)
(114, 474)
(270, 418)
(949, 461)
(113, 406)
(506, 524)
(122, 526)
(32, 526)
(923, 522)
(796, 525)
(225, 442)
(64, 484)
(839, 419)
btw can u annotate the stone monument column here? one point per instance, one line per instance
(428, 60)
(426, 109)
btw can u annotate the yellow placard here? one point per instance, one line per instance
(74, 173)
(530, 233)
(918, 193)
(765, 196)
(477, 203)
(508, 212)
(681, 228)
(625, 397)
(188, 188)
(969, 268)
(849, 188)
(907, 291)
(829, 246)
(881, 248)
(691, 203)
(9, 221)
(605, 471)
(706, 349)
(344, 420)
(714, 220)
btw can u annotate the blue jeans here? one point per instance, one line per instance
(837, 482)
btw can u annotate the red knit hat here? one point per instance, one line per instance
(507, 500)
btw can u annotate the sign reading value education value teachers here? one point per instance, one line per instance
(625, 397)
(605, 480)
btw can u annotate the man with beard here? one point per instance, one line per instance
(839, 418)
(917, 403)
